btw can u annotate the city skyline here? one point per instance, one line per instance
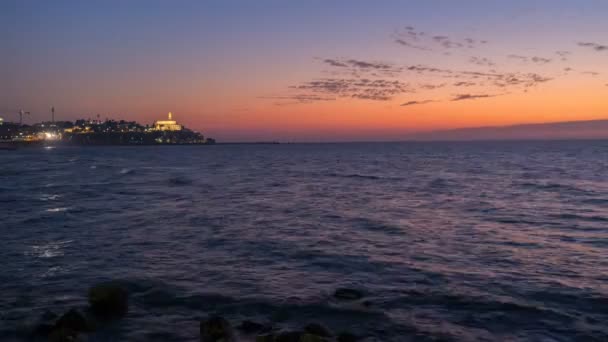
(308, 71)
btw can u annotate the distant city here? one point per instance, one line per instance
(98, 132)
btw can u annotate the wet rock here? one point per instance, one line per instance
(265, 338)
(214, 329)
(43, 329)
(317, 329)
(311, 338)
(281, 315)
(45, 324)
(63, 335)
(346, 337)
(289, 336)
(72, 321)
(109, 300)
(48, 316)
(250, 327)
(348, 294)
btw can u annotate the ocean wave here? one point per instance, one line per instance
(180, 181)
(354, 175)
(591, 218)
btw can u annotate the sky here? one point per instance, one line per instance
(306, 70)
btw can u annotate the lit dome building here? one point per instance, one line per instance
(167, 125)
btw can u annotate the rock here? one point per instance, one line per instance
(214, 329)
(48, 316)
(250, 327)
(281, 315)
(63, 335)
(317, 329)
(43, 329)
(311, 338)
(72, 321)
(348, 294)
(265, 338)
(346, 337)
(109, 300)
(289, 336)
(45, 324)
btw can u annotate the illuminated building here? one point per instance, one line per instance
(167, 125)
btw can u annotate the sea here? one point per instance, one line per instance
(446, 241)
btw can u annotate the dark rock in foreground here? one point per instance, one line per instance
(265, 338)
(317, 329)
(347, 337)
(109, 300)
(72, 320)
(66, 328)
(348, 294)
(215, 329)
(289, 336)
(250, 327)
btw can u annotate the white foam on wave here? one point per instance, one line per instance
(57, 210)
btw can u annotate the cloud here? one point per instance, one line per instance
(445, 42)
(521, 58)
(368, 65)
(594, 46)
(534, 59)
(563, 54)
(421, 68)
(300, 98)
(431, 86)
(356, 67)
(481, 61)
(369, 89)
(408, 44)
(462, 97)
(412, 38)
(540, 60)
(413, 103)
(464, 84)
(592, 73)
(335, 63)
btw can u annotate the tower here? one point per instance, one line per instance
(170, 116)
(53, 114)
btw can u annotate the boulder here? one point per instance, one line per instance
(109, 300)
(214, 329)
(48, 316)
(63, 335)
(72, 321)
(42, 329)
(317, 329)
(250, 327)
(348, 294)
(311, 338)
(289, 336)
(346, 337)
(264, 338)
(45, 324)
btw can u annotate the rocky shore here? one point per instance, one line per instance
(108, 303)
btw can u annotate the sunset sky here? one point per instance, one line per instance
(311, 70)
